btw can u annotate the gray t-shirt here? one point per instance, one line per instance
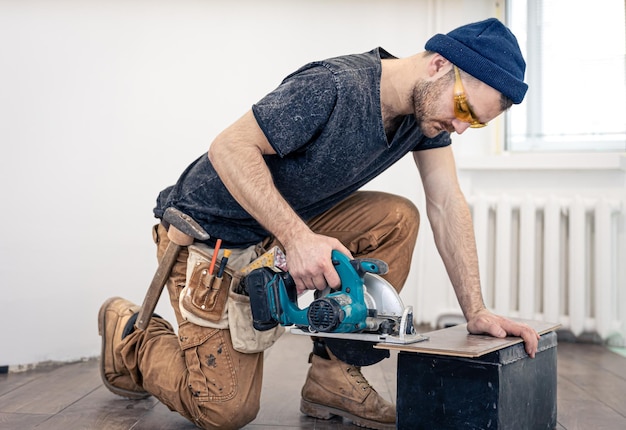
(325, 123)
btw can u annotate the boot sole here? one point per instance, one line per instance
(129, 394)
(324, 412)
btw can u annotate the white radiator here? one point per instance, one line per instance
(550, 258)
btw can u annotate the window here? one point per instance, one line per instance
(576, 71)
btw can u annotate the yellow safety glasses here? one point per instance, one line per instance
(461, 109)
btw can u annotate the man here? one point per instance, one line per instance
(288, 173)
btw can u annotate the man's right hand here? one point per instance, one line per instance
(309, 261)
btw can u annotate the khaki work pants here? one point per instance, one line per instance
(198, 373)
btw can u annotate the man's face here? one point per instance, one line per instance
(433, 104)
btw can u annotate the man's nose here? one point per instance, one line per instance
(460, 126)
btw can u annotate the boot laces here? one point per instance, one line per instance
(355, 373)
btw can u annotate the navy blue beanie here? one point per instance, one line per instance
(488, 51)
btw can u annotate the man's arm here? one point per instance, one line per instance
(451, 222)
(237, 156)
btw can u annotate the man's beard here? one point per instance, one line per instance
(425, 98)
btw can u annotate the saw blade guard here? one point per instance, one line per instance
(382, 297)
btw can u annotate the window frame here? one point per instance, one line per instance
(534, 139)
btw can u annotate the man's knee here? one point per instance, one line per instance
(399, 217)
(406, 211)
(386, 204)
(224, 385)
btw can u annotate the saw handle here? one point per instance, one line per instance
(368, 265)
(290, 286)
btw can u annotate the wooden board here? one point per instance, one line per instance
(457, 342)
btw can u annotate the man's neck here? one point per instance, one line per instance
(397, 84)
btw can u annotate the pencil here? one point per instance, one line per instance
(215, 251)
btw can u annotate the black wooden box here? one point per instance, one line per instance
(504, 389)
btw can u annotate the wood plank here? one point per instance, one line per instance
(579, 410)
(596, 356)
(11, 381)
(457, 342)
(21, 421)
(54, 390)
(584, 369)
(101, 409)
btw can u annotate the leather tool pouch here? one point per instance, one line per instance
(209, 301)
(203, 300)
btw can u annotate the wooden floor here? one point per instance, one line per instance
(591, 394)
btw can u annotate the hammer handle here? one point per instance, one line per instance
(157, 284)
(183, 230)
(178, 239)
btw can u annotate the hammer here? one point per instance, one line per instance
(183, 230)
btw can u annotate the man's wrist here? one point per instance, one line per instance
(474, 312)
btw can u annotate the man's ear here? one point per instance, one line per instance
(438, 64)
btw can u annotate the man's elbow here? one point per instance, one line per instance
(216, 150)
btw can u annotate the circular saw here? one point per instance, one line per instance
(364, 311)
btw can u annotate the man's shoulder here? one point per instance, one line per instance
(343, 63)
(369, 59)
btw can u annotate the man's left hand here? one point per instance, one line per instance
(485, 322)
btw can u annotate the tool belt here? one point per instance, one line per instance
(211, 301)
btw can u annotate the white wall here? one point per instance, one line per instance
(103, 103)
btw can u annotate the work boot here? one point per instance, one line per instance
(333, 387)
(113, 321)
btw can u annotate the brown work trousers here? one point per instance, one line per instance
(198, 373)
